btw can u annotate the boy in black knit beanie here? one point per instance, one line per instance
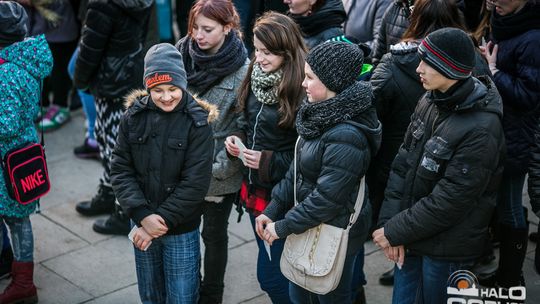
(443, 183)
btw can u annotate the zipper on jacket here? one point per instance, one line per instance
(253, 139)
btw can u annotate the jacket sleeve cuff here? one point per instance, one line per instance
(168, 221)
(264, 166)
(282, 230)
(390, 236)
(139, 213)
(272, 210)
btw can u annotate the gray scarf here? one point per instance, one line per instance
(314, 119)
(265, 85)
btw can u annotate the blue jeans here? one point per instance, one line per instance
(87, 100)
(22, 238)
(510, 201)
(342, 294)
(168, 271)
(424, 280)
(269, 274)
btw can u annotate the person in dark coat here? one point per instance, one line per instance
(397, 88)
(514, 59)
(394, 23)
(319, 20)
(327, 185)
(443, 183)
(364, 19)
(110, 65)
(216, 63)
(268, 99)
(161, 170)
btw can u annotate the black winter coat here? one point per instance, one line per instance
(518, 82)
(327, 184)
(110, 62)
(261, 133)
(443, 184)
(397, 89)
(394, 23)
(162, 161)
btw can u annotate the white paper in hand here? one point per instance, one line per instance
(132, 233)
(242, 148)
(267, 247)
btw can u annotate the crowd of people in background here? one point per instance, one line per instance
(280, 109)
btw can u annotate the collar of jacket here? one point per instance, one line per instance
(482, 96)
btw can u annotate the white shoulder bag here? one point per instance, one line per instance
(314, 259)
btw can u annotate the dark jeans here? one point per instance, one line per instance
(342, 294)
(59, 82)
(215, 238)
(269, 274)
(510, 202)
(423, 280)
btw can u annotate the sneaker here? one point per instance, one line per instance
(54, 118)
(89, 149)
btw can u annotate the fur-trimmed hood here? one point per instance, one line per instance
(135, 98)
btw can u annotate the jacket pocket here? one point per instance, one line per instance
(435, 157)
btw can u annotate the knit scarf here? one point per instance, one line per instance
(205, 70)
(331, 14)
(506, 27)
(314, 119)
(265, 85)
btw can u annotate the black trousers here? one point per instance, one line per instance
(216, 239)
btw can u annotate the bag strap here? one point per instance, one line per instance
(41, 110)
(359, 198)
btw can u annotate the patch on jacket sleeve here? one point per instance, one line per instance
(430, 164)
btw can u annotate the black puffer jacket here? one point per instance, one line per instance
(444, 180)
(534, 175)
(518, 81)
(327, 184)
(397, 89)
(394, 23)
(162, 162)
(110, 62)
(261, 133)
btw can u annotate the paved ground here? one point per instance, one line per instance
(76, 265)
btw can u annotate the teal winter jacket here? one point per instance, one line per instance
(22, 67)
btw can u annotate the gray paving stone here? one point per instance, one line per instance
(262, 299)
(241, 276)
(53, 289)
(128, 295)
(243, 229)
(98, 269)
(52, 240)
(72, 180)
(376, 264)
(66, 215)
(532, 281)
